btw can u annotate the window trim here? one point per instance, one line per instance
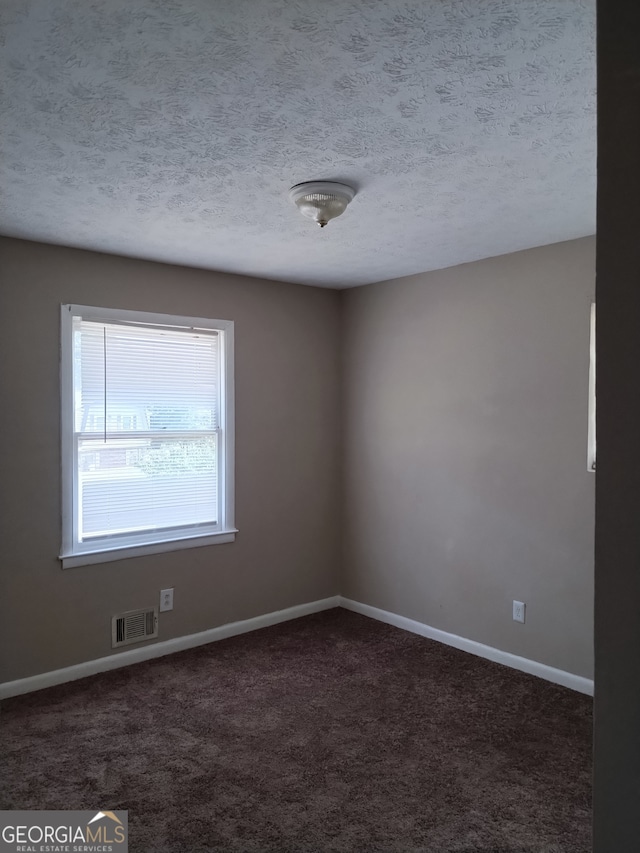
(226, 482)
(591, 436)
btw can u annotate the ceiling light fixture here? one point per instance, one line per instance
(321, 200)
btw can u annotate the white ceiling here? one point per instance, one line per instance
(173, 129)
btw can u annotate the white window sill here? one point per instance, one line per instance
(87, 558)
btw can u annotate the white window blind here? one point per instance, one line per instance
(148, 442)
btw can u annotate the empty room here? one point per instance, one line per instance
(299, 460)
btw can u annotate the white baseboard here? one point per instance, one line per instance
(158, 650)
(549, 673)
(232, 629)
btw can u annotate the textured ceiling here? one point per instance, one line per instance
(173, 129)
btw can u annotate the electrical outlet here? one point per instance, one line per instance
(518, 611)
(166, 599)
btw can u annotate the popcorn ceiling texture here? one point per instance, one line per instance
(173, 129)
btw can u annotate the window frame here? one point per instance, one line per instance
(591, 436)
(74, 553)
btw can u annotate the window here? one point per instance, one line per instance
(147, 433)
(591, 446)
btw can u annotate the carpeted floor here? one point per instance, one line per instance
(328, 733)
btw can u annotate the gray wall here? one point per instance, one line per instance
(466, 394)
(287, 457)
(617, 569)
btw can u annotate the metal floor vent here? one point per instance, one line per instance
(134, 626)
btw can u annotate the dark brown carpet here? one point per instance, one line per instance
(329, 733)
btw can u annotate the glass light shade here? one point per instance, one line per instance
(321, 200)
